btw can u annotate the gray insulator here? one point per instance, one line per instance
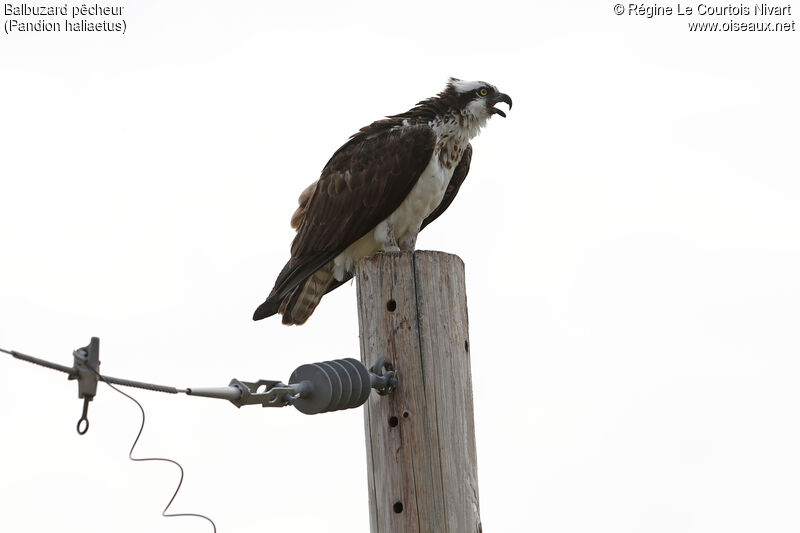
(320, 392)
(366, 381)
(356, 381)
(331, 386)
(347, 385)
(336, 384)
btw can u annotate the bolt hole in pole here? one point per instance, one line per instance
(406, 414)
(398, 507)
(391, 305)
(466, 345)
(393, 421)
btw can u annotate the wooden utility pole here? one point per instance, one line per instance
(422, 463)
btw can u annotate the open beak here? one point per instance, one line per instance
(499, 97)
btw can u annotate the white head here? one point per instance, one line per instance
(474, 102)
(462, 86)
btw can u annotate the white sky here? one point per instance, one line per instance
(631, 234)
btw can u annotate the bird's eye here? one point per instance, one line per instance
(483, 92)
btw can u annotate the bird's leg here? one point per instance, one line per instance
(384, 234)
(391, 244)
(409, 242)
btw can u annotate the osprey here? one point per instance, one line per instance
(385, 184)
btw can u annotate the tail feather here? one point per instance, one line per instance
(267, 309)
(300, 304)
(301, 301)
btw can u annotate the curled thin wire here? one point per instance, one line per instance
(140, 459)
(83, 423)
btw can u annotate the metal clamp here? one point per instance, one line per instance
(383, 377)
(272, 393)
(86, 366)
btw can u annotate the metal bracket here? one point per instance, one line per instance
(383, 378)
(262, 392)
(86, 365)
(272, 393)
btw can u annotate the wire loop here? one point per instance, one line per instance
(84, 418)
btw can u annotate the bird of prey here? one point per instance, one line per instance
(377, 191)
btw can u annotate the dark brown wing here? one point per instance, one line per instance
(364, 182)
(459, 175)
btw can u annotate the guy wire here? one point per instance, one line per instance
(164, 459)
(108, 380)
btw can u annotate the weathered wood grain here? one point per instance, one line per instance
(421, 455)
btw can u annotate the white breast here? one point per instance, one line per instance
(423, 199)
